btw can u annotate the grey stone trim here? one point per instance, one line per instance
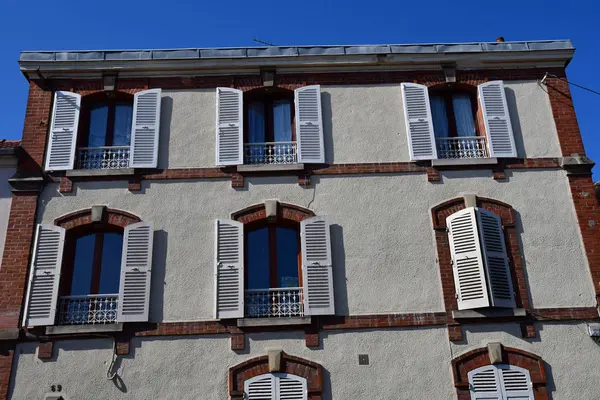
(270, 167)
(577, 165)
(250, 322)
(464, 161)
(489, 313)
(99, 172)
(68, 329)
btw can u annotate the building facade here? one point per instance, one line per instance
(368, 222)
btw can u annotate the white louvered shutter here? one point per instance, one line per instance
(497, 119)
(145, 129)
(467, 261)
(136, 271)
(229, 269)
(230, 122)
(260, 387)
(516, 383)
(317, 275)
(484, 383)
(44, 277)
(495, 259)
(419, 123)
(63, 131)
(309, 124)
(291, 387)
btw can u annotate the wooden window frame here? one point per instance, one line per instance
(447, 92)
(267, 97)
(108, 99)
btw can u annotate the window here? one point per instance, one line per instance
(276, 386)
(479, 259)
(501, 382)
(269, 132)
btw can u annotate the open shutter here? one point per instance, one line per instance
(229, 269)
(484, 383)
(260, 387)
(495, 259)
(496, 118)
(419, 123)
(230, 137)
(144, 130)
(136, 269)
(467, 261)
(516, 383)
(309, 124)
(291, 387)
(63, 131)
(317, 267)
(42, 292)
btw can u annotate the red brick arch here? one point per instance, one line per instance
(311, 371)
(83, 217)
(257, 212)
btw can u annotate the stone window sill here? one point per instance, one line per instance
(68, 329)
(100, 172)
(269, 167)
(251, 322)
(489, 313)
(448, 162)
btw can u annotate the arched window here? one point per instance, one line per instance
(276, 387)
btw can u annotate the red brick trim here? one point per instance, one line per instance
(6, 359)
(311, 371)
(477, 358)
(44, 350)
(84, 217)
(311, 339)
(122, 347)
(238, 341)
(384, 320)
(66, 185)
(257, 212)
(433, 175)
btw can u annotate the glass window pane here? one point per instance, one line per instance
(98, 121)
(256, 123)
(82, 265)
(463, 113)
(282, 120)
(439, 115)
(287, 257)
(122, 127)
(258, 259)
(110, 271)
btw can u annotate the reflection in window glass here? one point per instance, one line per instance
(98, 123)
(287, 258)
(256, 123)
(258, 259)
(111, 263)
(82, 266)
(122, 126)
(282, 121)
(439, 115)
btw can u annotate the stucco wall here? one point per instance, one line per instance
(382, 237)
(404, 364)
(362, 123)
(5, 201)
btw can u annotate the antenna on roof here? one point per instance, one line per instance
(262, 42)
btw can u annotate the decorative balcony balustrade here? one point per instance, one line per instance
(270, 153)
(274, 303)
(108, 157)
(462, 147)
(88, 310)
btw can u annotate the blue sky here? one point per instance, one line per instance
(73, 25)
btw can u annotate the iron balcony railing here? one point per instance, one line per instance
(107, 157)
(274, 303)
(462, 147)
(270, 153)
(89, 309)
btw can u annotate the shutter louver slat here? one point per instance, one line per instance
(485, 384)
(136, 270)
(63, 131)
(516, 383)
(467, 261)
(291, 388)
(317, 267)
(419, 123)
(229, 126)
(309, 124)
(260, 388)
(229, 269)
(42, 296)
(496, 119)
(145, 129)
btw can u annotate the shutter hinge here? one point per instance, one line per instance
(456, 296)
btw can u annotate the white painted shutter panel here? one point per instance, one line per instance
(495, 259)
(317, 267)
(467, 261)
(484, 383)
(44, 277)
(419, 123)
(229, 269)
(63, 131)
(496, 119)
(136, 270)
(260, 387)
(309, 124)
(145, 129)
(516, 383)
(291, 387)
(230, 123)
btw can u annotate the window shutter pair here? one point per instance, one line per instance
(419, 122)
(44, 278)
(276, 387)
(501, 382)
(65, 122)
(479, 259)
(230, 126)
(316, 268)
